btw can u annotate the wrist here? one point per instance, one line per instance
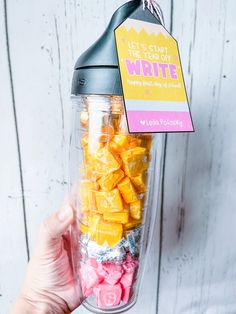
(25, 305)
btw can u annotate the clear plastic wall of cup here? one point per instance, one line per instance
(115, 184)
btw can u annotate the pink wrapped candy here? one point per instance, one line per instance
(108, 295)
(110, 282)
(89, 277)
(126, 294)
(113, 274)
(126, 283)
(130, 264)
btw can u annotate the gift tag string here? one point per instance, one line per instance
(155, 8)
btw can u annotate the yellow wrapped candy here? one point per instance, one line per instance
(85, 217)
(84, 140)
(89, 173)
(114, 147)
(119, 143)
(121, 140)
(125, 207)
(106, 232)
(139, 182)
(104, 162)
(127, 190)
(109, 202)
(86, 154)
(91, 144)
(122, 218)
(132, 224)
(94, 222)
(87, 198)
(83, 228)
(110, 233)
(109, 182)
(94, 144)
(135, 161)
(89, 170)
(136, 210)
(107, 133)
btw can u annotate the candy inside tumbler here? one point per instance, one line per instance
(112, 193)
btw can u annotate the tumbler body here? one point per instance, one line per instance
(115, 183)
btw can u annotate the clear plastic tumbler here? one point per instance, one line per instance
(115, 183)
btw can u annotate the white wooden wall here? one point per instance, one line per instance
(192, 265)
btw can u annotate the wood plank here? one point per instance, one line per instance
(13, 250)
(41, 58)
(198, 257)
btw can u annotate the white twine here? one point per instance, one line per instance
(155, 8)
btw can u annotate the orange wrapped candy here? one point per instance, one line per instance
(126, 207)
(122, 218)
(136, 210)
(107, 133)
(127, 190)
(109, 202)
(87, 198)
(121, 140)
(110, 181)
(119, 143)
(139, 182)
(134, 142)
(114, 147)
(104, 162)
(146, 141)
(135, 161)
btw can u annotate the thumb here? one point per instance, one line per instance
(54, 227)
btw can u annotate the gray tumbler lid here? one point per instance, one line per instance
(97, 71)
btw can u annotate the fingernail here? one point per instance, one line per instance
(65, 214)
